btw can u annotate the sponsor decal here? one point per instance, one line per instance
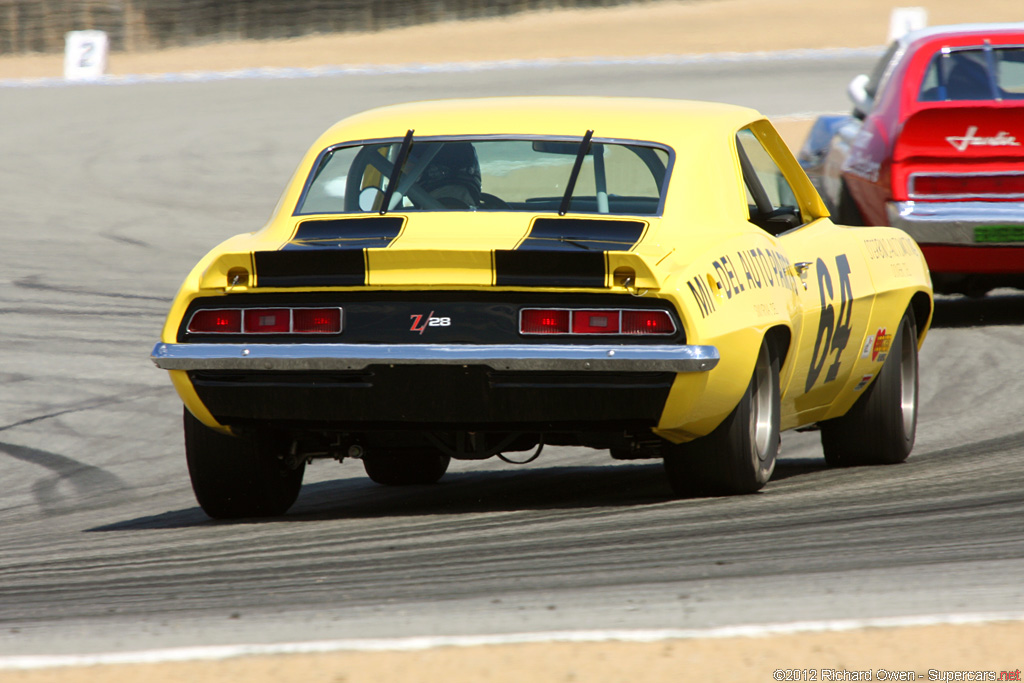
(971, 139)
(746, 270)
(864, 380)
(421, 322)
(880, 349)
(890, 248)
(999, 233)
(868, 345)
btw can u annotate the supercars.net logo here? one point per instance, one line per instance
(421, 322)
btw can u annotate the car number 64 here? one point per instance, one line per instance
(831, 337)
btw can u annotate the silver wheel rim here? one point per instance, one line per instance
(762, 411)
(908, 381)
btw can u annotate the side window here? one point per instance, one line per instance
(1010, 72)
(771, 202)
(880, 70)
(327, 192)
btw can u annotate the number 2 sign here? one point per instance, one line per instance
(85, 55)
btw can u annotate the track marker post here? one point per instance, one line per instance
(906, 19)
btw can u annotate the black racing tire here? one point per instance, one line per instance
(739, 455)
(847, 212)
(881, 426)
(405, 469)
(234, 477)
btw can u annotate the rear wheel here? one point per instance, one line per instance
(405, 469)
(739, 455)
(236, 477)
(880, 427)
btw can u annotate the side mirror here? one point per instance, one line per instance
(857, 91)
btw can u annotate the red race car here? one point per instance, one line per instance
(935, 146)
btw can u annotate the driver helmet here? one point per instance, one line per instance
(456, 164)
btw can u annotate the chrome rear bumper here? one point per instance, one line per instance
(533, 357)
(955, 222)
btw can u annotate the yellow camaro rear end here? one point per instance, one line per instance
(465, 279)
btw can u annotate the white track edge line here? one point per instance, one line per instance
(419, 643)
(266, 73)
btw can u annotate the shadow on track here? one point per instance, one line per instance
(72, 485)
(465, 493)
(1006, 307)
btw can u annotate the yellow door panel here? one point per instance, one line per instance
(837, 295)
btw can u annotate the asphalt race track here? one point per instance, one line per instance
(111, 193)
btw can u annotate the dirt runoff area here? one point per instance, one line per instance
(989, 652)
(636, 30)
(941, 652)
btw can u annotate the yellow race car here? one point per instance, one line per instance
(471, 278)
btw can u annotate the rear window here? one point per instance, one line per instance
(533, 175)
(982, 73)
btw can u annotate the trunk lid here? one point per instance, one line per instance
(961, 153)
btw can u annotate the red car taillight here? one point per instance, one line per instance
(266, 321)
(966, 186)
(219, 321)
(316, 320)
(647, 322)
(614, 321)
(539, 321)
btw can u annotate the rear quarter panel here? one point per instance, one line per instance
(729, 297)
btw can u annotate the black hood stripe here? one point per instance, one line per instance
(535, 268)
(556, 253)
(310, 268)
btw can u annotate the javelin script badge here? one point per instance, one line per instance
(969, 139)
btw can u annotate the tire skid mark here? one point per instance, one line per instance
(32, 282)
(89, 483)
(87, 405)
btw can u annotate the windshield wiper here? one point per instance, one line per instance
(396, 170)
(574, 242)
(567, 197)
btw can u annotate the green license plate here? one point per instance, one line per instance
(999, 233)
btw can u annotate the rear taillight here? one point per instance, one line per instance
(611, 321)
(316, 320)
(647, 322)
(595, 322)
(966, 186)
(266, 321)
(541, 321)
(219, 321)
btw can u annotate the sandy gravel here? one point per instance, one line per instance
(884, 653)
(653, 28)
(649, 29)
